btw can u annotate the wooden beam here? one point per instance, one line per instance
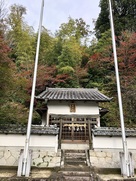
(57, 116)
(75, 122)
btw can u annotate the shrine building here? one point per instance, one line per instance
(75, 111)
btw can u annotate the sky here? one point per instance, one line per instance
(57, 12)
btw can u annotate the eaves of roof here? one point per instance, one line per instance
(113, 132)
(73, 94)
(22, 129)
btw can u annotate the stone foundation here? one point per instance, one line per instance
(48, 158)
(108, 158)
(40, 157)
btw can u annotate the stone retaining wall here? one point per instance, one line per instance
(46, 159)
(108, 158)
(40, 157)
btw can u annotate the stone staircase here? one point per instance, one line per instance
(76, 165)
(75, 158)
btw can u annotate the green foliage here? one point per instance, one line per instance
(12, 112)
(70, 55)
(66, 58)
(46, 47)
(112, 119)
(104, 42)
(21, 36)
(124, 12)
(66, 70)
(74, 28)
(103, 22)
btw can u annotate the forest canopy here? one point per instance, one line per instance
(69, 58)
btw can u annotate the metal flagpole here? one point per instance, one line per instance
(26, 148)
(119, 93)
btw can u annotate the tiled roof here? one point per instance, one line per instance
(22, 129)
(112, 131)
(73, 94)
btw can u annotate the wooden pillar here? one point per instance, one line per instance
(47, 118)
(60, 133)
(98, 121)
(44, 118)
(90, 134)
(72, 129)
(85, 128)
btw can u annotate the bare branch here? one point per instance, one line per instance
(3, 10)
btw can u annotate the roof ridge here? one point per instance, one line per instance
(58, 88)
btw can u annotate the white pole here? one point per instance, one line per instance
(26, 148)
(119, 90)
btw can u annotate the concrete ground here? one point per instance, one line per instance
(118, 177)
(35, 172)
(9, 173)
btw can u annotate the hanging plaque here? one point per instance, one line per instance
(72, 107)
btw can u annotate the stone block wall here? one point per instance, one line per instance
(40, 157)
(9, 156)
(108, 158)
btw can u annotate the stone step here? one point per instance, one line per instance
(75, 154)
(81, 168)
(76, 157)
(74, 151)
(76, 173)
(75, 160)
(71, 164)
(77, 178)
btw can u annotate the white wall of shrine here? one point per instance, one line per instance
(37, 141)
(81, 107)
(114, 142)
(63, 108)
(44, 148)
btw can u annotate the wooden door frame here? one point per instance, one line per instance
(60, 121)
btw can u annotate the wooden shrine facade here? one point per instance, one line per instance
(74, 111)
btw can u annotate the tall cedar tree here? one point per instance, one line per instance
(124, 12)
